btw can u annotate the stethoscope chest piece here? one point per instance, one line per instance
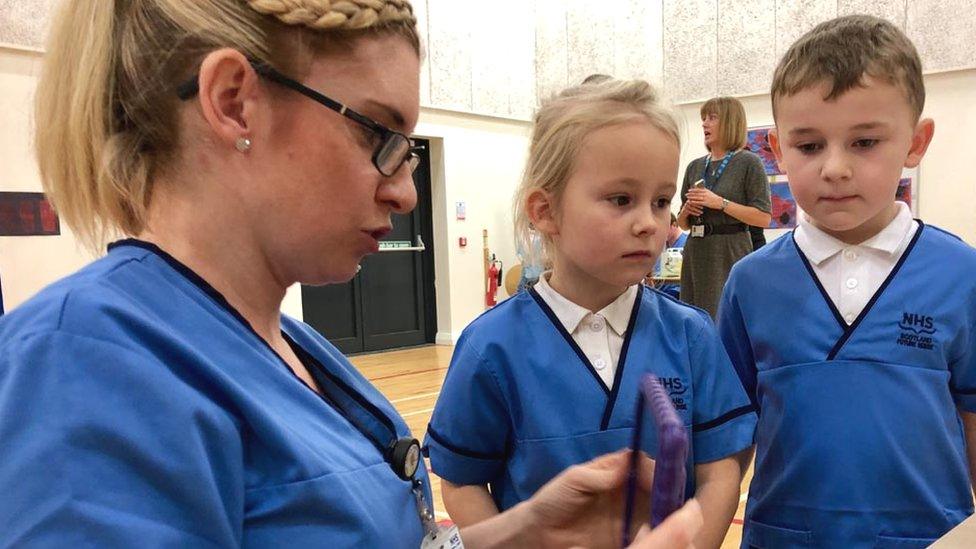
(404, 457)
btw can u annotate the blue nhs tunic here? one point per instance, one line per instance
(859, 443)
(521, 402)
(138, 409)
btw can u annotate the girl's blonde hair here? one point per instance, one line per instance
(106, 108)
(562, 124)
(731, 121)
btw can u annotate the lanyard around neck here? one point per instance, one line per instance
(718, 172)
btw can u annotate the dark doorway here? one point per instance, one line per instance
(391, 302)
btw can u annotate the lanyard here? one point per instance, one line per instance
(401, 453)
(718, 172)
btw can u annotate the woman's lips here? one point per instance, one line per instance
(373, 238)
(380, 233)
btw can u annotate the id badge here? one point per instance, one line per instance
(445, 538)
(698, 231)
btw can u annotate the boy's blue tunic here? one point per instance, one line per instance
(138, 409)
(521, 402)
(859, 442)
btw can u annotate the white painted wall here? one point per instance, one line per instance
(27, 264)
(947, 180)
(477, 160)
(947, 191)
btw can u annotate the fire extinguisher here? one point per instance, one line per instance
(494, 281)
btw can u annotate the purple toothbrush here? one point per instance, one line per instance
(668, 486)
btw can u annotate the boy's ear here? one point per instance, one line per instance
(921, 138)
(540, 207)
(774, 144)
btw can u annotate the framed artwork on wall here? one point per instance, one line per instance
(27, 214)
(783, 205)
(907, 191)
(757, 141)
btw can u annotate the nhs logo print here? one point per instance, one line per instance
(919, 324)
(675, 388)
(917, 331)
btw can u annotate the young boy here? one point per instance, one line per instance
(855, 336)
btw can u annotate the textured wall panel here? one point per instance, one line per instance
(944, 32)
(638, 41)
(490, 60)
(551, 45)
(25, 22)
(795, 17)
(746, 37)
(420, 10)
(892, 10)
(590, 38)
(450, 54)
(522, 80)
(690, 49)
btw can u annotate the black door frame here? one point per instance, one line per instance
(425, 205)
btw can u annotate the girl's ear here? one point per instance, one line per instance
(540, 206)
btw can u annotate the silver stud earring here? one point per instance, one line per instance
(243, 144)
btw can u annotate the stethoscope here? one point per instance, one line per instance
(401, 453)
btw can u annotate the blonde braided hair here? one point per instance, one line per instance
(338, 15)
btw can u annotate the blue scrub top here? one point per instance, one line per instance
(859, 442)
(521, 402)
(139, 409)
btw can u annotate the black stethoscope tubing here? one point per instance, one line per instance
(402, 453)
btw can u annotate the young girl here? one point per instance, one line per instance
(549, 378)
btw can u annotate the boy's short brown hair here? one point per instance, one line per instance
(843, 51)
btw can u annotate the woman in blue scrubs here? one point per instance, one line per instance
(157, 397)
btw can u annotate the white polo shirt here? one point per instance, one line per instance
(599, 335)
(851, 274)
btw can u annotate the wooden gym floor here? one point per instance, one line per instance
(412, 379)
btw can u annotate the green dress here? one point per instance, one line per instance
(706, 262)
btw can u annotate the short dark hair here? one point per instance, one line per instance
(843, 51)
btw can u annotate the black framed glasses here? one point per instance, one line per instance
(393, 150)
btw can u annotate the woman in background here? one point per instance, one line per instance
(732, 195)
